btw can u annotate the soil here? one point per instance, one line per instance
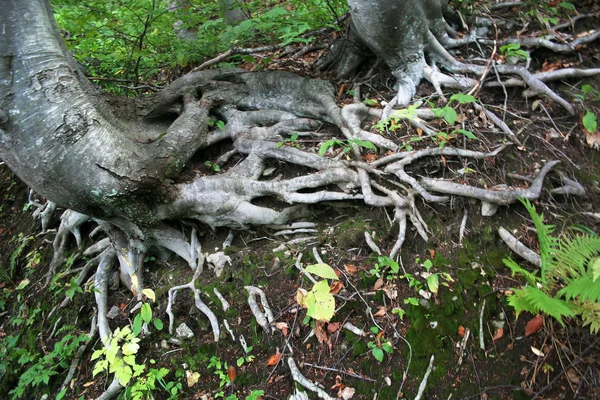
(556, 362)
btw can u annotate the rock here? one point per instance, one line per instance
(113, 312)
(184, 332)
(164, 344)
(488, 209)
(175, 341)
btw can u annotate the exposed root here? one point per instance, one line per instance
(263, 318)
(79, 354)
(529, 255)
(423, 384)
(304, 382)
(500, 197)
(197, 300)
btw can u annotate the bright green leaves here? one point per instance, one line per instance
(118, 356)
(590, 122)
(322, 270)
(319, 302)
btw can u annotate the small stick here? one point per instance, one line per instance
(424, 381)
(481, 341)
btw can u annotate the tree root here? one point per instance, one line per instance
(529, 255)
(304, 382)
(263, 318)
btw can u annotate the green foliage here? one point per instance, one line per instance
(134, 40)
(319, 302)
(38, 370)
(568, 283)
(590, 122)
(346, 146)
(118, 356)
(514, 50)
(380, 346)
(17, 252)
(154, 379)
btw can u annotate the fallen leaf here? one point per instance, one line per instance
(338, 383)
(534, 325)
(336, 287)
(191, 378)
(381, 312)
(301, 297)
(319, 332)
(346, 393)
(432, 253)
(231, 373)
(378, 284)
(283, 327)
(274, 359)
(537, 351)
(498, 334)
(370, 157)
(461, 330)
(351, 269)
(122, 306)
(88, 384)
(573, 377)
(593, 140)
(333, 327)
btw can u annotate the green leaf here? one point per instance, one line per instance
(466, 133)
(158, 324)
(387, 347)
(590, 122)
(322, 270)
(364, 143)
(328, 144)
(427, 264)
(149, 293)
(146, 313)
(567, 6)
(449, 115)
(320, 303)
(433, 283)
(462, 98)
(377, 353)
(595, 268)
(22, 284)
(130, 348)
(138, 323)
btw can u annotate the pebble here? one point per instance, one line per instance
(113, 312)
(184, 332)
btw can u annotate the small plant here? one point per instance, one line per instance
(433, 279)
(319, 302)
(513, 50)
(380, 346)
(118, 356)
(214, 167)
(346, 146)
(385, 264)
(144, 317)
(291, 141)
(567, 284)
(154, 379)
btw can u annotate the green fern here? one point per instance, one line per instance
(568, 284)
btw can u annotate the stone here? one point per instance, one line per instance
(113, 312)
(184, 332)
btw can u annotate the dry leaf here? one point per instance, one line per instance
(351, 269)
(593, 140)
(338, 383)
(336, 287)
(461, 330)
(432, 253)
(498, 334)
(231, 372)
(378, 284)
(370, 157)
(346, 393)
(573, 377)
(274, 359)
(87, 384)
(381, 312)
(537, 352)
(319, 332)
(191, 378)
(283, 327)
(534, 325)
(333, 327)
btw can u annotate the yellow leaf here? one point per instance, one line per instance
(191, 378)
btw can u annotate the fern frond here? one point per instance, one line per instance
(547, 241)
(582, 288)
(574, 253)
(4, 274)
(541, 302)
(66, 328)
(590, 314)
(515, 268)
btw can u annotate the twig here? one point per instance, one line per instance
(424, 381)
(481, 339)
(340, 371)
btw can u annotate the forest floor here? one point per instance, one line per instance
(496, 360)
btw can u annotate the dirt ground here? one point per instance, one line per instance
(556, 362)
